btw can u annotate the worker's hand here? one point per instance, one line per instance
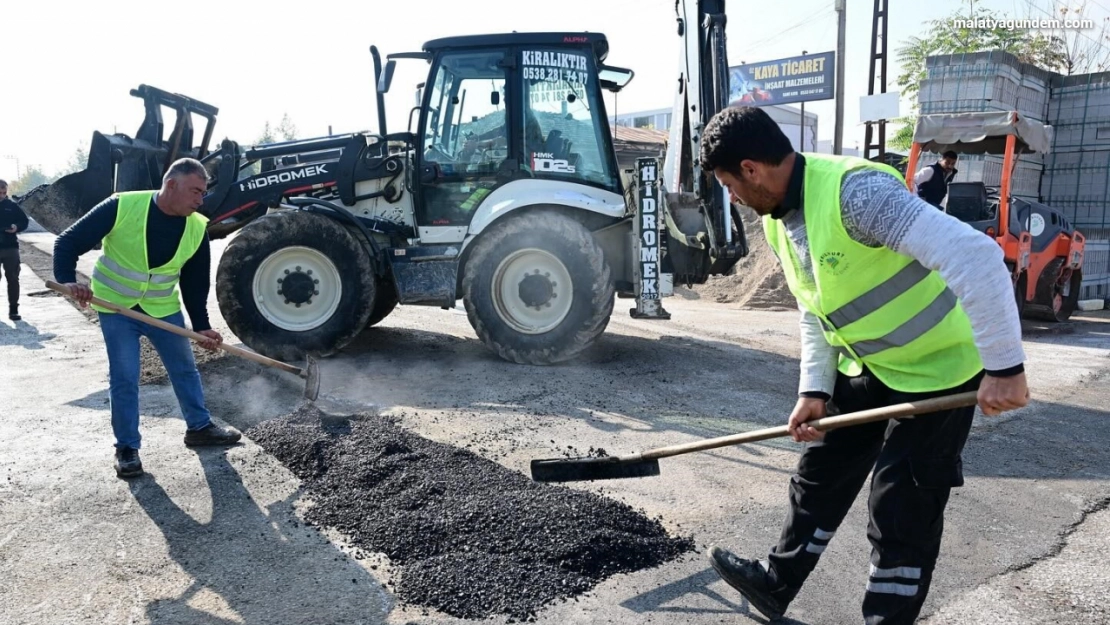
(997, 395)
(12, 229)
(807, 409)
(213, 342)
(80, 293)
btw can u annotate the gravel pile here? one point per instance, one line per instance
(757, 281)
(468, 536)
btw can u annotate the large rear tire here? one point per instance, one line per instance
(293, 283)
(1056, 298)
(385, 300)
(537, 288)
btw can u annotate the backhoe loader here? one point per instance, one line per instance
(503, 192)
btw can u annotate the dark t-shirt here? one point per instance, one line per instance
(163, 235)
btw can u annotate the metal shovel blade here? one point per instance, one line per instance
(312, 379)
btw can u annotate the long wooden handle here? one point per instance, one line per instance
(934, 404)
(169, 327)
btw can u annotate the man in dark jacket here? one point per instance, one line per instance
(12, 221)
(932, 181)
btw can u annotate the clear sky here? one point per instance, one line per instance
(69, 66)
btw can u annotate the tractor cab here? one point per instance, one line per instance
(501, 108)
(1042, 249)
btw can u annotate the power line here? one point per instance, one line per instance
(806, 22)
(1077, 31)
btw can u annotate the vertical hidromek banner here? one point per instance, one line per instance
(782, 81)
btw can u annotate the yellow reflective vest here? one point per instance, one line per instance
(122, 275)
(878, 308)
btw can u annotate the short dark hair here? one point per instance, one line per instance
(185, 167)
(3, 184)
(742, 133)
(952, 155)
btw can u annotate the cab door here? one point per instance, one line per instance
(464, 142)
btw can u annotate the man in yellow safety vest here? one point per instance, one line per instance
(889, 315)
(155, 248)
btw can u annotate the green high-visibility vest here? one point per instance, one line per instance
(877, 307)
(122, 275)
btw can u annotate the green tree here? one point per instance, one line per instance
(77, 162)
(32, 177)
(267, 135)
(286, 129)
(1079, 50)
(950, 36)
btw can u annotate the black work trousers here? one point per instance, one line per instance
(9, 263)
(916, 463)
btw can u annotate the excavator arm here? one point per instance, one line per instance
(704, 233)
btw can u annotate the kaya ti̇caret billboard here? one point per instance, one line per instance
(796, 79)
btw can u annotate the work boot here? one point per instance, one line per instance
(751, 579)
(13, 313)
(211, 434)
(128, 463)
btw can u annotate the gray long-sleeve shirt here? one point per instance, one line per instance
(878, 210)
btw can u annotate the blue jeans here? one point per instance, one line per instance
(121, 337)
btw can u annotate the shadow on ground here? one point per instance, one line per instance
(290, 574)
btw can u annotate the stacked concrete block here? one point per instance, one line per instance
(983, 81)
(1074, 177)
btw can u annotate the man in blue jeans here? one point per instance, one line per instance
(155, 247)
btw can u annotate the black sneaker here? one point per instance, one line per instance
(128, 463)
(14, 315)
(212, 434)
(750, 578)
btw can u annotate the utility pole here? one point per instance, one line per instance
(877, 56)
(841, 27)
(802, 124)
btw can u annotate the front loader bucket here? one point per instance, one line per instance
(119, 163)
(116, 163)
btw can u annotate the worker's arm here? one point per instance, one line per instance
(818, 359)
(196, 280)
(923, 176)
(21, 221)
(878, 210)
(81, 237)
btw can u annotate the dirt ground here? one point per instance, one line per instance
(221, 537)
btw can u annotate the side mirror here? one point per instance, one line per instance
(495, 98)
(387, 77)
(419, 94)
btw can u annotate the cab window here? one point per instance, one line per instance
(562, 114)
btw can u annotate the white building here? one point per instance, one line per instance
(788, 118)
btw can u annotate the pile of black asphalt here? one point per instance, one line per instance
(467, 536)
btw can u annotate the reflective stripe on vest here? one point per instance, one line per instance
(121, 275)
(909, 331)
(138, 275)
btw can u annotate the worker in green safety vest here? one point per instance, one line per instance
(899, 302)
(155, 251)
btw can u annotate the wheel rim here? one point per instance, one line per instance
(532, 291)
(297, 288)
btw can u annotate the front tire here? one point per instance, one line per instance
(537, 288)
(1056, 299)
(293, 283)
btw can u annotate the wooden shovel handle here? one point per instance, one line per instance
(169, 327)
(935, 404)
